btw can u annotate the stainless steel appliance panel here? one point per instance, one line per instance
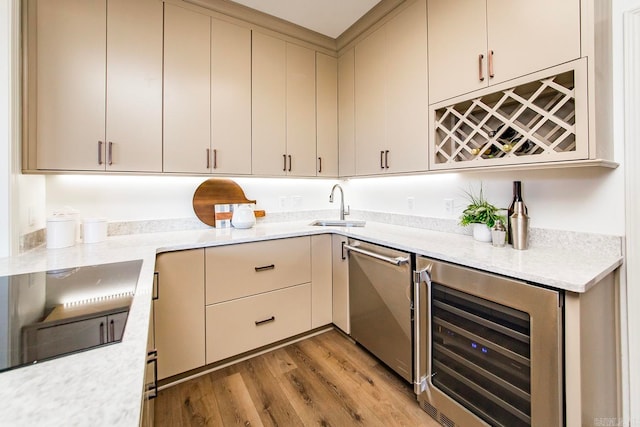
(380, 292)
(488, 348)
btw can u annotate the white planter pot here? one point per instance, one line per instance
(481, 232)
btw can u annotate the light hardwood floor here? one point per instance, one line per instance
(325, 380)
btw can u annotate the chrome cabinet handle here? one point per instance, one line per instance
(381, 159)
(265, 268)
(215, 158)
(289, 162)
(208, 158)
(386, 159)
(152, 389)
(421, 332)
(491, 74)
(110, 153)
(319, 164)
(262, 322)
(394, 261)
(480, 70)
(100, 152)
(284, 160)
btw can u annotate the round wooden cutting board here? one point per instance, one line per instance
(216, 191)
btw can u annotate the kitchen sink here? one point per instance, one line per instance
(339, 223)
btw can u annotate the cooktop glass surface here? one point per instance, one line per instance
(48, 314)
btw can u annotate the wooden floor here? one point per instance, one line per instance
(325, 380)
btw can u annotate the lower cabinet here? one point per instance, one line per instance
(340, 272)
(180, 312)
(218, 302)
(234, 327)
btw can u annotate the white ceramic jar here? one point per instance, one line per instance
(94, 230)
(243, 216)
(61, 231)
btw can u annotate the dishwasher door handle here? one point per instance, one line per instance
(394, 261)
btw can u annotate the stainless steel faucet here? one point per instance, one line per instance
(342, 211)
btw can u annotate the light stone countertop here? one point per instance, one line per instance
(104, 386)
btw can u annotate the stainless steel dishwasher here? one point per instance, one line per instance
(380, 288)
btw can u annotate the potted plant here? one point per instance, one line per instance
(482, 215)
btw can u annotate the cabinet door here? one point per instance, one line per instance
(406, 91)
(134, 85)
(68, 337)
(321, 281)
(186, 90)
(340, 271)
(230, 98)
(301, 111)
(457, 38)
(528, 36)
(71, 64)
(179, 312)
(346, 114)
(327, 114)
(236, 271)
(370, 103)
(268, 119)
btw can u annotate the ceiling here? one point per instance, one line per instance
(328, 17)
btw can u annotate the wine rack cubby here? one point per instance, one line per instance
(541, 119)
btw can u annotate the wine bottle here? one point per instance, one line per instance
(517, 197)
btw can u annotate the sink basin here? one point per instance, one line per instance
(338, 223)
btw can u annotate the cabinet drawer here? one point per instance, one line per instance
(237, 326)
(237, 271)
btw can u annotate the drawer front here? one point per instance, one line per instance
(237, 326)
(242, 270)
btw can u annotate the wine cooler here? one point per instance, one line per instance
(488, 349)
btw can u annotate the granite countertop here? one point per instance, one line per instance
(104, 386)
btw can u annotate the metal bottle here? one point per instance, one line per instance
(520, 226)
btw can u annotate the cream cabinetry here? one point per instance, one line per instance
(321, 280)
(474, 44)
(346, 114)
(258, 293)
(179, 311)
(95, 85)
(327, 115)
(391, 95)
(340, 273)
(236, 271)
(207, 94)
(283, 108)
(236, 326)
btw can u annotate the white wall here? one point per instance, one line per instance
(120, 198)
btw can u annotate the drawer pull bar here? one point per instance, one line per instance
(265, 268)
(262, 322)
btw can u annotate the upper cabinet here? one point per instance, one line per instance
(346, 114)
(95, 85)
(327, 115)
(207, 94)
(283, 108)
(474, 44)
(390, 81)
(187, 90)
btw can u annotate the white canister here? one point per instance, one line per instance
(94, 230)
(61, 231)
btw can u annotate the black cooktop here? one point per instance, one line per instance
(49, 314)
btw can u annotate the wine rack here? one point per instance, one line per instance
(541, 119)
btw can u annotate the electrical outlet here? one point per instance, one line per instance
(411, 203)
(283, 202)
(31, 216)
(448, 207)
(297, 201)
